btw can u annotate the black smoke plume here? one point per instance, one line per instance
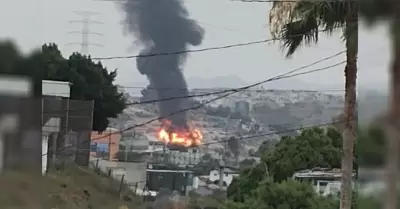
(164, 26)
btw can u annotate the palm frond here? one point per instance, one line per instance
(296, 33)
(301, 23)
(329, 14)
(279, 16)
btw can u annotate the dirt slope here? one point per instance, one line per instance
(72, 188)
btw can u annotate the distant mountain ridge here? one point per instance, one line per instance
(216, 82)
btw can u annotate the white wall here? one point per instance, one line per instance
(53, 125)
(227, 178)
(56, 88)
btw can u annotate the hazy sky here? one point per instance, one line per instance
(32, 23)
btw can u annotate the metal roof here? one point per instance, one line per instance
(320, 172)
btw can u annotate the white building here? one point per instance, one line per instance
(227, 178)
(324, 180)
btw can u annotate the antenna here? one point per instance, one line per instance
(85, 31)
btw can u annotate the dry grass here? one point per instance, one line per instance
(72, 188)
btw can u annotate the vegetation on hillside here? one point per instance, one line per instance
(268, 184)
(300, 22)
(72, 188)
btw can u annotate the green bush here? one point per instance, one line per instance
(288, 194)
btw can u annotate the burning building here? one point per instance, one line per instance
(165, 30)
(182, 136)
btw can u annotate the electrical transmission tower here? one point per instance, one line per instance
(85, 32)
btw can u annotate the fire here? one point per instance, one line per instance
(186, 138)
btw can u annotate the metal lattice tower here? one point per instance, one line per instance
(85, 32)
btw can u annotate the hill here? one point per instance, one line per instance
(72, 188)
(269, 111)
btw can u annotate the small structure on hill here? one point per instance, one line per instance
(326, 181)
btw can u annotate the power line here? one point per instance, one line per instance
(289, 1)
(282, 76)
(85, 31)
(274, 133)
(246, 1)
(215, 89)
(248, 137)
(206, 89)
(232, 91)
(199, 50)
(186, 51)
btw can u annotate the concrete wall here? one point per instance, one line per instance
(135, 173)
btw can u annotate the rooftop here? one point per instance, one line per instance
(320, 172)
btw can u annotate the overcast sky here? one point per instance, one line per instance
(32, 23)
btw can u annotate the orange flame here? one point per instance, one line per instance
(186, 138)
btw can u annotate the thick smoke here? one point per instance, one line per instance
(163, 26)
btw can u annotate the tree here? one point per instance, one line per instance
(96, 84)
(299, 22)
(280, 195)
(266, 147)
(248, 180)
(373, 11)
(10, 56)
(314, 147)
(90, 80)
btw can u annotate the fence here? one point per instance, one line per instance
(120, 180)
(66, 130)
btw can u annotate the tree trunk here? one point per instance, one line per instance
(350, 116)
(393, 129)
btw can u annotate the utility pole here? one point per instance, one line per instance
(221, 174)
(222, 164)
(85, 32)
(128, 148)
(109, 144)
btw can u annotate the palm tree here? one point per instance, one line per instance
(300, 22)
(373, 10)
